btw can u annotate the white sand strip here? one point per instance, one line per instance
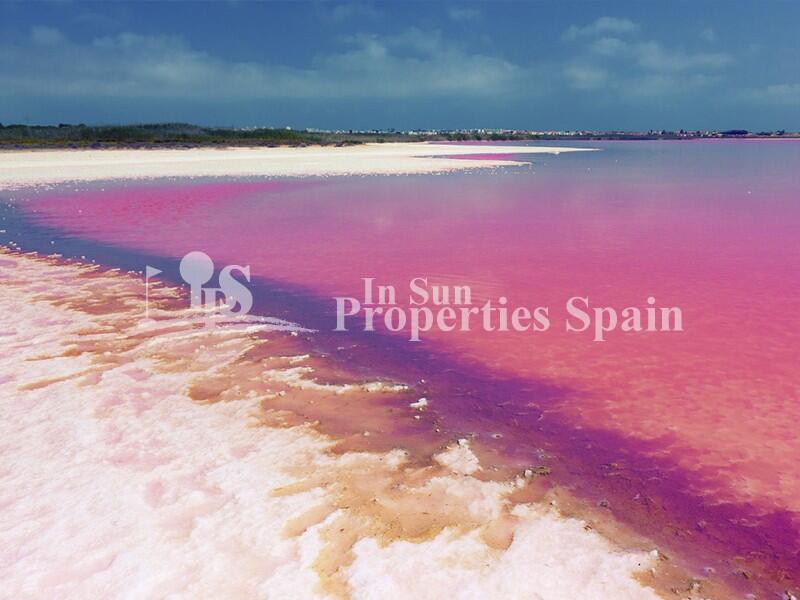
(26, 167)
(115, 484)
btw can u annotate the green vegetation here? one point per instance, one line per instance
(176, 135)
(161, 134)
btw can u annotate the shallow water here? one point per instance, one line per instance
(688, 436)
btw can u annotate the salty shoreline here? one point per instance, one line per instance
(26, 167)
(150, 467)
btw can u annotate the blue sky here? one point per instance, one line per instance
(536, 65)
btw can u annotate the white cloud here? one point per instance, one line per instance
(708, 35)
(412, 63)
(46, 36)
(461, 13)
(603, 25)
(416, 61)
(642, 67)
(609, 46)
(787, 94)
(586, 77)
(656, 57)
(668, 85)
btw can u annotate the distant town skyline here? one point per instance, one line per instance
(571, 65)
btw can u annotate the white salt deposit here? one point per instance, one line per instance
(421, 403)
(459, 458)
(29, 167)
(550, 558)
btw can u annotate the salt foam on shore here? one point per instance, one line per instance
(114, 483)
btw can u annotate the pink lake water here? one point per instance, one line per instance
(690, 437)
